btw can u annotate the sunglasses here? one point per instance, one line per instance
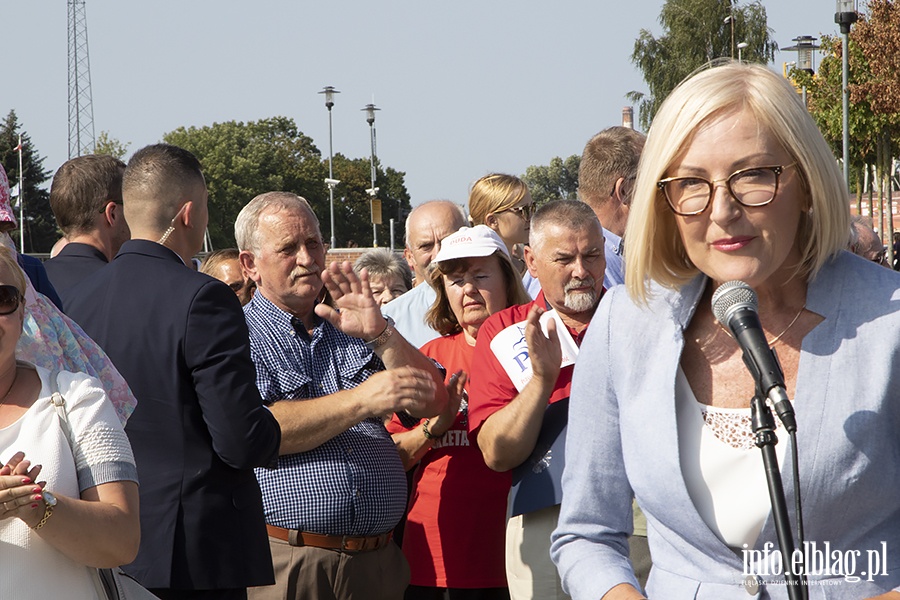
(524, 212)
(10, 298)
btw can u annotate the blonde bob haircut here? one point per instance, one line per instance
(494, 193)
(652, 243)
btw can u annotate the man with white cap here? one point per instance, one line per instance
(521, 377)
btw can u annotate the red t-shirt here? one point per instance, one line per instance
(456, 527)
(491, 387)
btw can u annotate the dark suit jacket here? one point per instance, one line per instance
(180, 340)
(74, 263)
(37, 274)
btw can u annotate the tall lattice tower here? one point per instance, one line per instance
(81, 106)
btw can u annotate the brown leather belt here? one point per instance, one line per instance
(344, 543)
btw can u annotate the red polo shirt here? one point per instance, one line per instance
(490, 388)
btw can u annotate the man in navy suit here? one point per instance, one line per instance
(86, 199)
(180, 340)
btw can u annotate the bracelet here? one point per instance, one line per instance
(48, 510)
(428, 434)
(382, 337)
(49, 503)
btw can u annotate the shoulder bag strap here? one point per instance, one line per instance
(104, 580)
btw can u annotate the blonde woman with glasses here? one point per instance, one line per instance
(735, 183)
(503, 203)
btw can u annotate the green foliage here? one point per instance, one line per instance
(352, 214)
(874, 108)
(242, 160)
(695, 32)
(40, 225)
(825, 101)
(110, 146)
(556, 181)
(874, 82)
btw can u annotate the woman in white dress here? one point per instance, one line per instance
(59, 513)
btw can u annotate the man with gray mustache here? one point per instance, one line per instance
(520, 425)
(330, 368)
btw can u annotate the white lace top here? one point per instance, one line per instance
(30, 567)
(722, 467)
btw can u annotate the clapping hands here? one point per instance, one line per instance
(19, 494)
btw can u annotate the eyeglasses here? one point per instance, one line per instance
(10, 298)
(524, 211)
(755, 186)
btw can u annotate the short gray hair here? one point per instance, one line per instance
(246, 226)
(570, 214)
(381, 262)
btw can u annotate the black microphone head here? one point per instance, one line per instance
(731, 296)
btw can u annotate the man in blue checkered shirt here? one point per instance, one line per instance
(330, 377)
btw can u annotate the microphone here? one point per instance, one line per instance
(734, 304)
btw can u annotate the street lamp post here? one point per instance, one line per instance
(845, 17)
(740, 48)
(329, 92)
(804, 46)
(372, 191)
(730, 20)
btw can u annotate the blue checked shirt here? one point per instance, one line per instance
(353, 484)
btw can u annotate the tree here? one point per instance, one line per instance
(878, 35)
(874, 111)
(824, 98)
(352, 213)
(696, 32)
(556, 181)
(242, 160)
(111, 146)
(40, 225)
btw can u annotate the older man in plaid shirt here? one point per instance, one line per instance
(330, 377)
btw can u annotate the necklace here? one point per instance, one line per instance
(791, 324)
(11, 386)
(777, 337)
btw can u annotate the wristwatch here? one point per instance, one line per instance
(49, 503)
(383, 337)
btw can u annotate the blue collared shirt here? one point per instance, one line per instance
(614, 251)
(353, 484)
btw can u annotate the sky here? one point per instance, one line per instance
(465, 88)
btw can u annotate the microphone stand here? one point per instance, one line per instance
(764, 430)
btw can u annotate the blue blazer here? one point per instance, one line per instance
(623, 439)
(74, 263)
(37, 274)
(180, 340)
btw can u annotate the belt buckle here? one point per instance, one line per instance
(344, 547)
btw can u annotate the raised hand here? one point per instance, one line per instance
(357, 311)
(544, 350)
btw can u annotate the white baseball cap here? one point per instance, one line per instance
(470, 242)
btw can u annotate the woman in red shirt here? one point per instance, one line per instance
(454, 535)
